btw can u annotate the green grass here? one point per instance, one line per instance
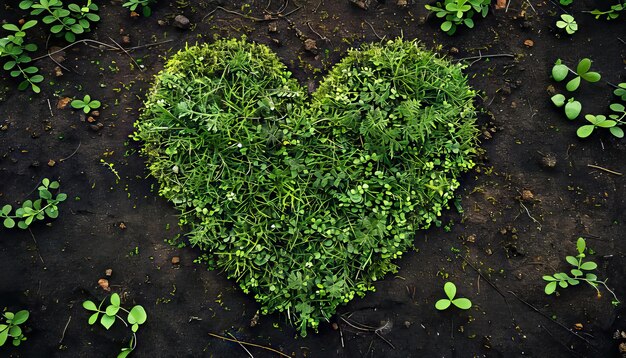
(306, 202)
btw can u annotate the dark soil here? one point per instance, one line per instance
(495, 252)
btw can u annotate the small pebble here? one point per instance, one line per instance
(108, 272)
(175, 260)
(51, 163)
(104, 284)
(181, 22)
(527, 195)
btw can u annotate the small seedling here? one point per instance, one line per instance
(565, 2)
(612, 13)
(572, 107)
(568, 23)
(136, 317)
(560, 72)
(11, 327)
(86, 104)
(563, 280)
(459, 12)
(30, 211)
(620, 91)
(16, 49)
(599, 121)
(132, 5)
(450, 290)
(64, 22)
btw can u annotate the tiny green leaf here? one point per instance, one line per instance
(588, 266)
(107, 321)
(585, 131)
(550, 288)
(93, 318)
(558, 100)
(583, 66)
(573, 84)
(450, 290)
(462, 303)
(442, 304)
(559, 71)
(572, 109)
(572, 260)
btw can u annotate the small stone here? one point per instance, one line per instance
(181, 22)
(527, 195)
(272, 27)
(335, 326)
(363, 4)
(122, 226)
(126, 39)
(407, 324)
(267, 17)
(175, 260)
(58, 72)
(310, 45)
(161, 22)
(51, 163)
(96, 127)
(622, 347)
(95, 113)
(104, 284)
(500, 4)
(548, 161)
(551, 90)
(471, 238)
(454, 50)
(402, 3)
(134, 14)
(488, 251)
(108, 272)
(63, 102)
(519, 276)
(90, 119)
(487, 135)
(578, 326)
(529, 43)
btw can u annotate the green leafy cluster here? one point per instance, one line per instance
(64, 22)
(568, 23)
(135, 317)
(450, 289)
(306, 205)
(86, 104)
(30, 211)
(11, 327)
(573, 108)
(15, 49)
(133, 5)
(612, 13)
(581, 272)
(459, 12)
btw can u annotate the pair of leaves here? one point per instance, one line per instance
(450, 290)
(560, 72)
(11, 328)
(572, 107)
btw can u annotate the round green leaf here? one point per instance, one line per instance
(21, 317)
(591, 76)
(90, 306)
(550, 288)
(4, 334)
(112, 310)
(9, 223)
(573, 84)
(583, 66)
(107, 321)
(572, 260)
(558, 100)
(563, 284)
(617, 132)
(137, 315)
(587, 266)
(617, 107)
(462, 303)
(93, 318)
(576, 272)
(585, 131)
(572, 109)
(15, 331)
(450, 290)
(115, 300)
(446, 26)
(549, 278)
(559, 72)
(442, 304)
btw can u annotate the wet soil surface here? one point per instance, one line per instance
(525, 205)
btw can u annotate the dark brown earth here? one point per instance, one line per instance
(495, 252)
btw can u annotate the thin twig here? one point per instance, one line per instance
(256, 19)
(551, 319)
(531, 6)
(530, 216)
(323, 38)
(148, 45)
(65, 329)
(71, 155)
(242, 346)
(622, 41)
(249, 344)
(127, 54)
(562, 344)
(480, 57)
(50, 108)
(375, 33)
(36, 246)
(604, 169)
(322, 2)
(88, 41)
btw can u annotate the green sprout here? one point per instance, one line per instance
(450, 289)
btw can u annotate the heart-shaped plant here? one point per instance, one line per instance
(305, 205)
